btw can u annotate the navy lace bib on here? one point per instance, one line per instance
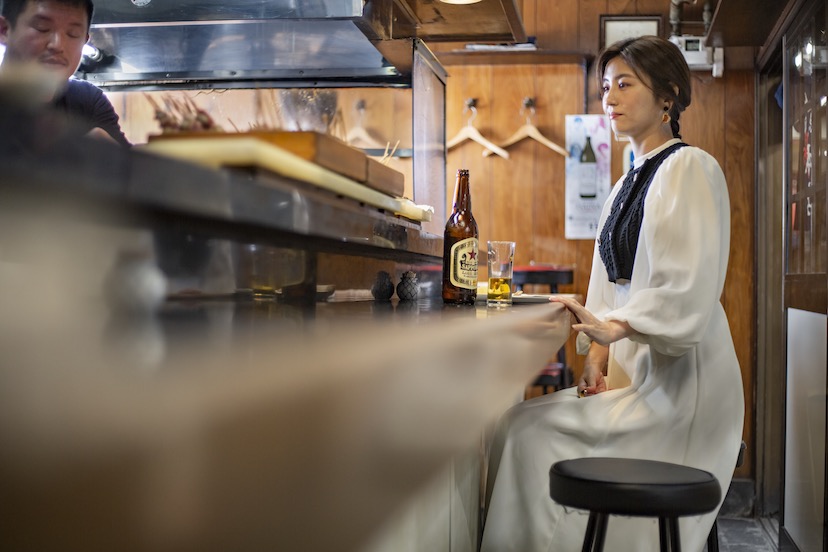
(618, 240)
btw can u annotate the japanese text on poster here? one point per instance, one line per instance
(587, 174)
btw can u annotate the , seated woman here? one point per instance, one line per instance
(653, 323)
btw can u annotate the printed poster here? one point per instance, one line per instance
(587, 174)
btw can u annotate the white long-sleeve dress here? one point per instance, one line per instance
(675, 387)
